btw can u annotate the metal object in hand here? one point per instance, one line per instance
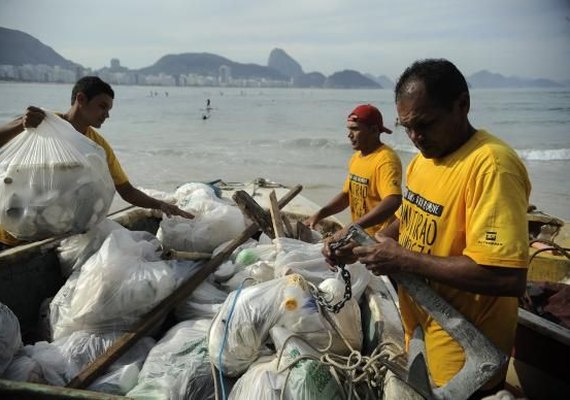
(345, 275)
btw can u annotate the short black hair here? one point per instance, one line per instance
(91, 86)
(444, 83)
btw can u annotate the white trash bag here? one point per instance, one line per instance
(260, 382)
(53, 181)
(178, 367)
(309, 378)
(216, 221)
(10, 339)
(82, 348)
(240, 328)
(114, 288)
(204, 302)
(74, 251)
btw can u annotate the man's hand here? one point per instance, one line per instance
(171, 209)
(382, 258)
(312, 221)
(33, 117)
(341, 255)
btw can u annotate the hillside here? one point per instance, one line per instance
(349, 79)
(19, 48)
(280, 61)
(486, 79)
(209, 64)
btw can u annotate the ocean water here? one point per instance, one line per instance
(297, 135)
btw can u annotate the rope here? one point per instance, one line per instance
(554, 247)
(349, 371)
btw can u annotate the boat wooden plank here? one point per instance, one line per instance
(14, 390)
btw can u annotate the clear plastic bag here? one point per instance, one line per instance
(53, 181)
(178, 368)
(217, 221)
(309, 378)
(116, 286)
(10, 339)
(73, 252)
(256, 310)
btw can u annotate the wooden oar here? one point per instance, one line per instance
(154, 317)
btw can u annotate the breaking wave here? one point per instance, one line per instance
(545, 154)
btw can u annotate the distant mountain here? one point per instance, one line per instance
(209, 65)
(19, 48)
(385, 82)
(486, 79)
(349, 79)
(382, 80)
(310, 80)
(282, 62)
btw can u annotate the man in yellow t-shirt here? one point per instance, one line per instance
(91, 101)
(462, 224)
(373, 187)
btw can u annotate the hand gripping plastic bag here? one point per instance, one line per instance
(53, 180)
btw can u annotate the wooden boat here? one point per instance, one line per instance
(29, 274)
(539, 367)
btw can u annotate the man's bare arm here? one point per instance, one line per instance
(134, 196)
(30, 119)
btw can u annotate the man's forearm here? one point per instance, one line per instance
(336, 205)
(11, 130)
(463, 273)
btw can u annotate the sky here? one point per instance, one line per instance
(525, 38)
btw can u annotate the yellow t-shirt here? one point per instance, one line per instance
(117, 173)
(472, 202)
(115, 169)
(370, 179)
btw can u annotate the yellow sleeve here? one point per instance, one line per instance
(496, 224)
(389, 178)
(119, 176)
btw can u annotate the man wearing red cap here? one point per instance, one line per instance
(372, 188)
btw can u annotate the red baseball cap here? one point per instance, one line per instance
(369, 115)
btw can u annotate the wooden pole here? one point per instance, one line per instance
(254, 211)
(154, 317)
(276, 216)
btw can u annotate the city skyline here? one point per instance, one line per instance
(523, 38)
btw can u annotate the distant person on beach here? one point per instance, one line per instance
(373, 186)
(206, 115)
(91, 101)
(462, 225)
